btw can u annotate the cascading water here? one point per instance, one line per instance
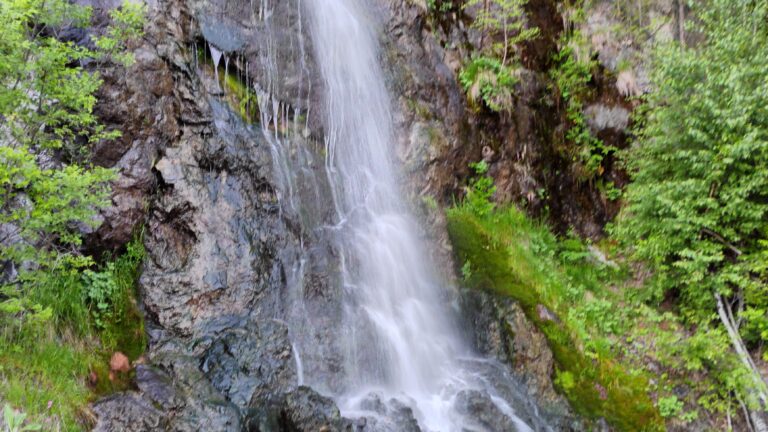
(368, 319)
(398, 338)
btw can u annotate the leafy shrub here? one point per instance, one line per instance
(490, 76)
(670, 406)
(487, 79)
(50, 192)
(480, 191)
(506, 19)
(571, 78)
(127, 25)
(696, 210)
(100, 293)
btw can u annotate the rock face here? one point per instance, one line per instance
(218, 249)
(500, 329)
(525, 146)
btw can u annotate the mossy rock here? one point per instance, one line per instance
(596, 388)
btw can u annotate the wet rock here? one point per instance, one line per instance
(140, 102)
(498, 326)
(480, 408)
(220, 252)
(307, 410)
(217, 247)
(225, 258)
(251, 365)
(127, 412)
(390, 416)
(268, 41)
(212, 235)
(157, 387)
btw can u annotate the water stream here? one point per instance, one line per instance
(399, 338)
(386, 345)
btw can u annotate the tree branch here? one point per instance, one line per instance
(722, 241)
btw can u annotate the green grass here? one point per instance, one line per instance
(50, 361)
(507, 253)
(52, 370)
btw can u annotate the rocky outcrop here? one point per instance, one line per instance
(219, 249)
(499, 328)
(524, 146)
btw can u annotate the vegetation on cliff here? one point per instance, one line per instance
(686, 321)
(491, 76)
(61, 311)
(564, 290)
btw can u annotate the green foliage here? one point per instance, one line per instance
(480, 191)
(14, 421)
(48, 370)
(123, 326)
(65, 332)
(609, 190)
(99, 293)
(504, 18)
(60, 315)
(487, 79)
(490, 76)
(565, 380)
(46, 103)
(670, 406)
(466, 270)
(241, 97)
(571, 76)
(441, 6)
(697, 208)
(127, 25)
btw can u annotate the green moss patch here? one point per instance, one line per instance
(508, 254)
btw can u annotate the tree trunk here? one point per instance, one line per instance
(681, 19)
(759, 391)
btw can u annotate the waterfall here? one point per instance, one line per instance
(399, 339)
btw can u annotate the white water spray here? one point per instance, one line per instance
(400, 341)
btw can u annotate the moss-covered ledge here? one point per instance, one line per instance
(507, 254)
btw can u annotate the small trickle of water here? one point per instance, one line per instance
(216, 57)
(299, 365)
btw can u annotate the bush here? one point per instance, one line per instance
(571, 77)
(60, 313)
(697, 207)
(490, 76)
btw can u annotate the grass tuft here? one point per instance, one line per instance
(48, 366)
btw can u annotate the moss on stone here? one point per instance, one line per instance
(499, 248)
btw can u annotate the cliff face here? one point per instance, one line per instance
(201, 182)
(225, 233)
(526, 146)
